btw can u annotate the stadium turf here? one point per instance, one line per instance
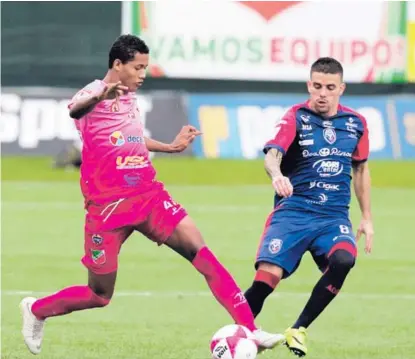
(162, 308)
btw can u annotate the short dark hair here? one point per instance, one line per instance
(327, 65)
(125, 48)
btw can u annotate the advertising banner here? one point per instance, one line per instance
(35, 121)
(271, 41)
(238, 125)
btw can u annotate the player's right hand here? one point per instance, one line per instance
(112, 90)
(282, 186)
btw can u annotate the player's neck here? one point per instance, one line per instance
(331, 113)
(111, 77)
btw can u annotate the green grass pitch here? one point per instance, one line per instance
(162, 308)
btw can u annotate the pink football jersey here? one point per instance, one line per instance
(115, 159)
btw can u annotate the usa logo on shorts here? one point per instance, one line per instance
(97, 239)
(275, 246)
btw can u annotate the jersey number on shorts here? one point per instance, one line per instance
(344, 229)
(169, 204)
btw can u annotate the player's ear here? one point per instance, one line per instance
(116, 65)
(309, 86)
(342, 88)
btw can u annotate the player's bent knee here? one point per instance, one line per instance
(99, 301)
(271, 268)
(101, 298)
(342, 261)
(102, 285)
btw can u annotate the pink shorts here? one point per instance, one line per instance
(107, 226)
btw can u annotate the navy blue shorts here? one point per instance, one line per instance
(288, 234)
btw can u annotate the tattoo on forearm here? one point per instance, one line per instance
(358, 165)
(273, 161)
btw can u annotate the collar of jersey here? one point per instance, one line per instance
(341, 111)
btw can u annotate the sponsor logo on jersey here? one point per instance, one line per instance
(135, 139)
(131, 162)
(117, 138)
(327, 124)
(132, 179)
(306, 127)
(324, 152)
(305, 118)
(336, 152)
(322, 199)
(351, 122)
(328, 167)
(353, 135)
(308, 142)
(324, 185)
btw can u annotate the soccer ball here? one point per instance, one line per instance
(233, 330)
(233, 342)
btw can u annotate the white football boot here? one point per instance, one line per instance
(32, 327)
(267, 340)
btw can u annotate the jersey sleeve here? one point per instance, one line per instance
(88, 91)
(84, 93)
(286, 131)
(361, 152)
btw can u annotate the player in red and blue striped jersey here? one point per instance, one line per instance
(317, 146)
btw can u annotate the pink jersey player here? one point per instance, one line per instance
(115, 159)
(122, 196)
(118, 180)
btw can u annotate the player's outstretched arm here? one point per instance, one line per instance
(156, 146)
(362, 184)
(84, 105)
(281, 184)
(185, 137)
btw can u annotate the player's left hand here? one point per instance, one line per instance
(184, 138)
(366, 228)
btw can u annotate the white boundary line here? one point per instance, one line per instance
(172, 294)
(28, 185)
(215, 208)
